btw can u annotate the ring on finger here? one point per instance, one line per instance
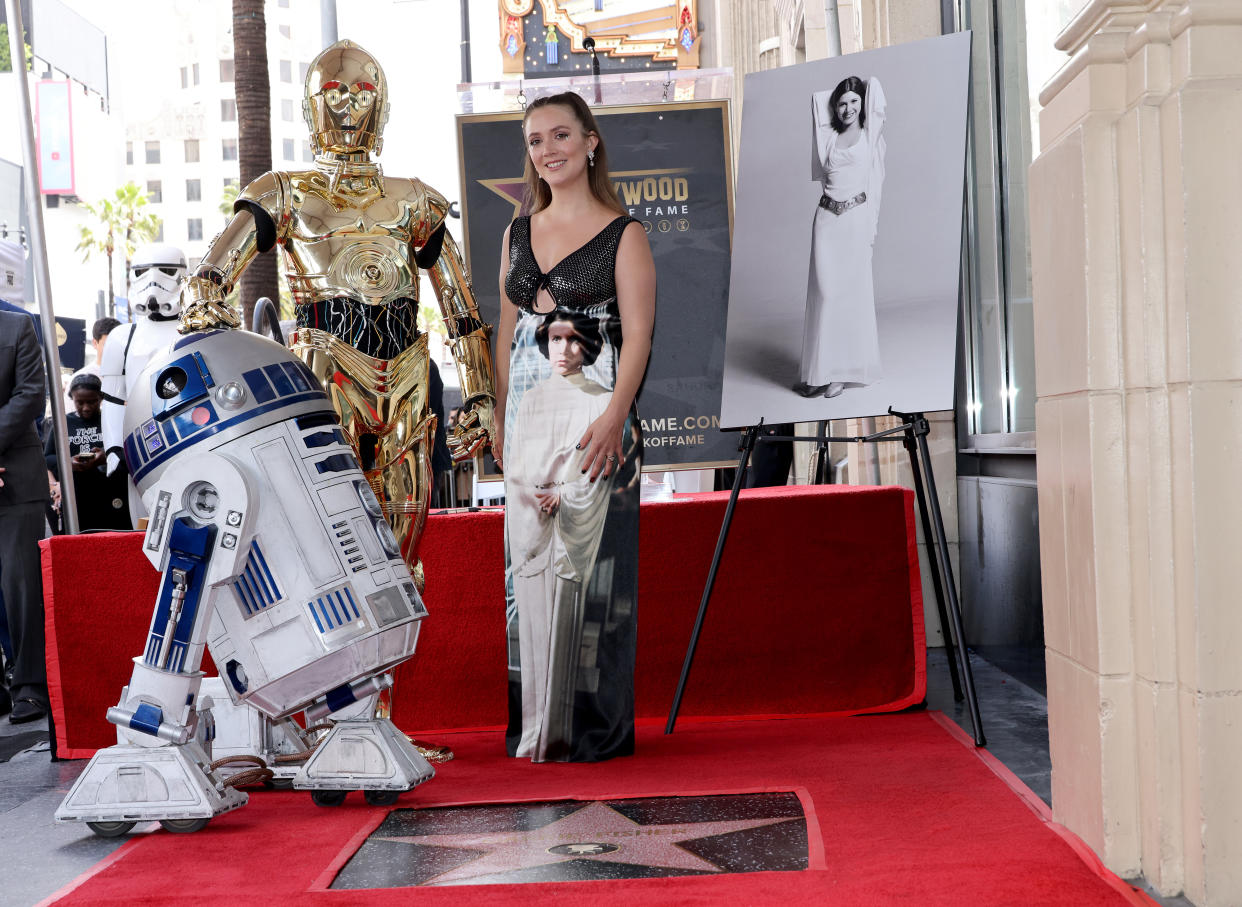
(611, 458)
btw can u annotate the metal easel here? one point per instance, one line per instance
(912, 433)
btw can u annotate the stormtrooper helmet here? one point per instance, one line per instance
(155, 281)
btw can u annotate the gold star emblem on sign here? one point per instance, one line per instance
(596, 832)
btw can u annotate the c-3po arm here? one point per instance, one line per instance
(467, 334)
(251, 232)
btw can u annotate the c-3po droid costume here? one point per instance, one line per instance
(354, 242)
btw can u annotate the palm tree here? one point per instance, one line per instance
(227, 199)
(6, 54)
(254, 121)
(121, 221)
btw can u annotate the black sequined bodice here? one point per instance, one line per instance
(584, 277)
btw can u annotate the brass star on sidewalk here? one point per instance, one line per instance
(596, 832)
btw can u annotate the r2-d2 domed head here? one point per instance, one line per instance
(155, 281)
(346, 100)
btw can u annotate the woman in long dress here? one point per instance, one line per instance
(571, 351)
(840, 346)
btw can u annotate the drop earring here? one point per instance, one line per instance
(591, 158)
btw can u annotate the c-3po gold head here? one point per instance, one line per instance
(346, 101)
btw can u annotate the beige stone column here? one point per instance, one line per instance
(1136, 246)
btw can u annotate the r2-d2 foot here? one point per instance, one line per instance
(361, 751)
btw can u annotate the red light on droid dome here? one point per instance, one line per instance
(332, 84)
(201, 415)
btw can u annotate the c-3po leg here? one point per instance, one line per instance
(402, 479)
(386, 415)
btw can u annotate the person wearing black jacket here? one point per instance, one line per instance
(23, 495)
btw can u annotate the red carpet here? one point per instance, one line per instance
(817, 610)
(900, 810)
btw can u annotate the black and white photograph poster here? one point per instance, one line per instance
(843, 295)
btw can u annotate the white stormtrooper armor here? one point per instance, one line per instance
(274, 555)
(155, 301)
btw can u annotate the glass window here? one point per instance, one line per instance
(159, 233)
(286, 110)
(155, 191)
(193, 190)
(308, 155)
(195, 71)
(194, 228)
(129, 154)
(226, 70)
(1013, 56)
(286, 31)
(283, 4)
(228, 149)
(287, 150)
(228, 109)
(286, 70)
(230, 181)
(303, 69)
(191, 151)
(185, 77)
(153, 152)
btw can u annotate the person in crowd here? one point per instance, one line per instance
(840, 346)
(575, 338)
(101, 499)
(99, 338)
(23, 495)
(441, 455)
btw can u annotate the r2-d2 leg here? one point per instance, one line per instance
(161, 766)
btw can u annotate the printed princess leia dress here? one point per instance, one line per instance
(840, 341)
(572, 574)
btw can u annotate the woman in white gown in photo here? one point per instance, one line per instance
(840, 346)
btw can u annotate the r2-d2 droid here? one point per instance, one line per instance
(274, 552)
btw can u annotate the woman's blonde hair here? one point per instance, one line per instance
(538, 193)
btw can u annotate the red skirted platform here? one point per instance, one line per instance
(817, 610)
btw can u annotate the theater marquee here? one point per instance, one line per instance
(672, 169)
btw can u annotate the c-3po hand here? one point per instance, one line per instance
(472, 431)
(206, 315)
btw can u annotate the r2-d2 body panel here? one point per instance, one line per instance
(234, 446)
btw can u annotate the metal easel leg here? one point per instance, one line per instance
(911, 445)
(921, 429)
(748, 445)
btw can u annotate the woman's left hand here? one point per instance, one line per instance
(601, 445)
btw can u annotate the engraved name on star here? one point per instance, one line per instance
(596, 832)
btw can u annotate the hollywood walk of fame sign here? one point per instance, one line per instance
(571, 840)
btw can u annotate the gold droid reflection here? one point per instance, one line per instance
(353, 244)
